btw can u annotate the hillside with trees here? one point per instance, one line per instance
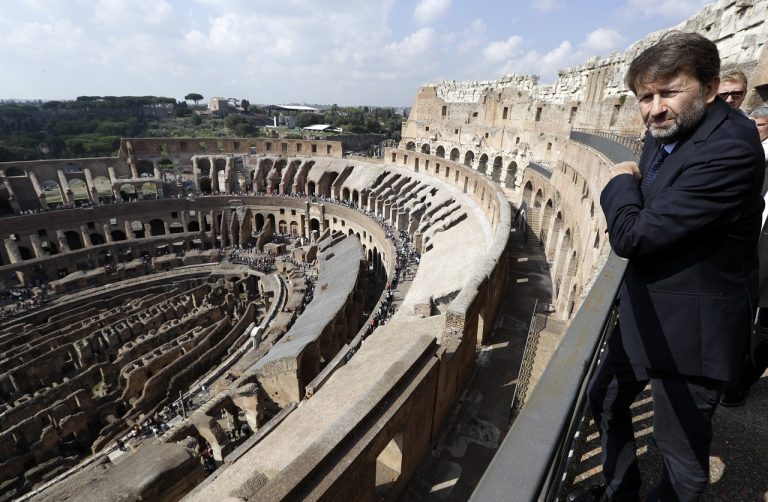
(91, 126)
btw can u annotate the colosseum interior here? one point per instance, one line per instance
(303, 321)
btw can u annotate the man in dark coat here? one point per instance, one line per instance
(688, 220)
(757, 360)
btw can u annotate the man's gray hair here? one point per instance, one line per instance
(760, 112)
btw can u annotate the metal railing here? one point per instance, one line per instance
(616, 148)
(536, 326)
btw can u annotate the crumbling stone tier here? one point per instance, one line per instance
(247, 281)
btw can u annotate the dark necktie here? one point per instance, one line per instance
(650, 175)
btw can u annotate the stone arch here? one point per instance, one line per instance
(546, 219)
(355, 197)
(14, 171)
(205, 185)
(156, 227)
(294, 228)
(241, 182)
(204, 166)
(301, 177)
(193, 226)
(528, 193)
(25, 253)
(175, 228)
(325, 185)
(469, 158)
(425, 148)
(259, 222)
(482, 164)
(509, 179)
(314, 224)
(260, 181)
(345, 194)
(554, 233)
(138, 229)
(282, 227)
(440, 151)
(410, 146)
(310, 188)
(145, 168)
(118, 235)
(97, 239)
(286, 185)
(496, 169)
(455, 154)
(275, 176)
(149, 190)
(73, 240)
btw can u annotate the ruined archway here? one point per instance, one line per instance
(469, 158)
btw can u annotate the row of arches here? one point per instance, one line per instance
(556, 235)
(492, 168)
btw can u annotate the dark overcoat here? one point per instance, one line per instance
(688, 299)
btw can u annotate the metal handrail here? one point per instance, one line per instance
(532, 461)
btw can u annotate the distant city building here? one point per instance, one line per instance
(323, 128)
(219, 106)
(296, 108)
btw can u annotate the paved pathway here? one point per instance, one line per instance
(459, 460)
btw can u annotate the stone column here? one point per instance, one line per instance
(196, 173)
(93, 196)
(12, 199)
(12, 249)
(62, 240)
(132, 165)
(214, 230)
(113, 183)
(37, 246)
(66, 192)
(214, 175)
(185, 220)
(107, 233)
(87, 243)
(38, 190)
(129, 233)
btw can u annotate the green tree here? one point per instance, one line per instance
(244, 129)
(182, 109)
(244, 104)
(306, 119)
(195, 120)
(233, 120)
(193, 96)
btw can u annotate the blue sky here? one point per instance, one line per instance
(349, 52)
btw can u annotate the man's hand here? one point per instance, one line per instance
(626, 168)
